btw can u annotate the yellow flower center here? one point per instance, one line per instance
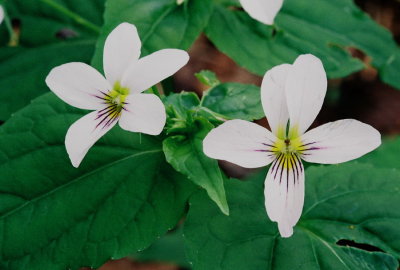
(117, 95)
(288, 147)
(115, 102)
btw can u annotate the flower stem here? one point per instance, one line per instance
(77, 18)
(168, 86)
(14, 39)
(155, 91)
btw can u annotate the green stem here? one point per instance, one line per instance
(168, 86)
(155, 91)
(77, 18)
(13, 35)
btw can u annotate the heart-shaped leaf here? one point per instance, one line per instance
(185, 154)
(161, 23)
(51, 33)
(235, 101)
(56, 217)
(349, 222)
(327, 29)
(386, 156)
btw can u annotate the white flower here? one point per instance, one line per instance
(262, 10)
(117, 98)
(1, 14)
(292, 96)
(179, 2)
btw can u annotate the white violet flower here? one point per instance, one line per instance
(292, 96)
(117, 97)
(262, 10)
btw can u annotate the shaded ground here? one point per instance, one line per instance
(126, 264)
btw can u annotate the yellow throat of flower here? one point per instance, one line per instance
(288, 146)
(117, 96)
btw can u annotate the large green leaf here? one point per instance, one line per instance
(48, 21)
(321, 27)
(23, 71)
(185, 154)
(56, 217)
(352, 202)
(161, 23)
(235, 100)
(169, 248)
(386, 156)
(51, 33)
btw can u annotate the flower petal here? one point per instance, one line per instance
(85, 132)
(241, 142)
(262, 10)
(305, 92)
(121, 49)
(339, 141)
(154, 68)
(274, 99)
(284, 192)
(143, 113)
(1, 14)
(78, 84)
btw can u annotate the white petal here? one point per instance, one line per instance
(274, 99)
(121, 50)
(84, 133)
(262, 10)
(339, 141)
(1, 14)
(284, 192)
(154, 68)
(240, 142)
(79, 85)
(143, 113)
(305, 91)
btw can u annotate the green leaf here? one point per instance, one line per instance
(183, 109)
(235, 101)
(65, 39)
(208, 78)
(386, 156)
(23, 71)
(185, 154)
(181, 103)
(169, 248)
(180, 109)
(61, 19)
(161, 23)
(324, 28)
(56, 217)
(344, 202)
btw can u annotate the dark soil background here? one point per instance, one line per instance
(360, 96)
